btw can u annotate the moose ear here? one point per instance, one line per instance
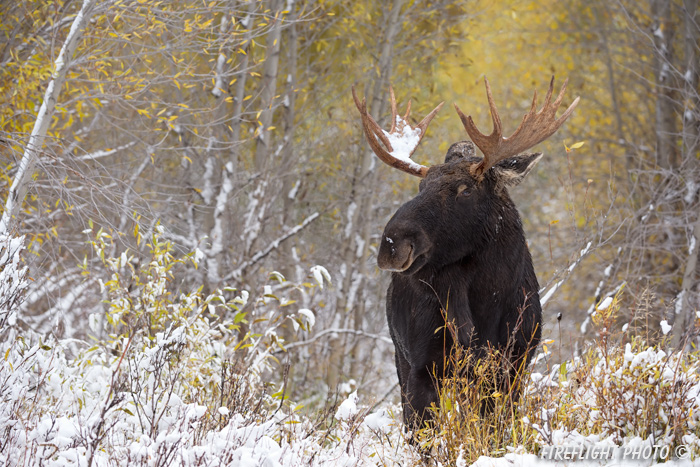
(460, 150)
(511, 171)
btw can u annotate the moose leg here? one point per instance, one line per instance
(417, 392)
(421, 392)
(403, 368)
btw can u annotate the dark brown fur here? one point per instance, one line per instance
(458, 250)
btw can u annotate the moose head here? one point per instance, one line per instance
(459, 246)
(468, 188)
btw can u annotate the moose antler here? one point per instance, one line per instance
(535, 128)
(401, 141)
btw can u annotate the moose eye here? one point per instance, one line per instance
(463, 190)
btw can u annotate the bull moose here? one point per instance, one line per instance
(457, 251)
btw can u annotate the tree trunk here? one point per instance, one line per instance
(688, 296)
(261, 198)
(20, 184)
(288, 163)
(268, 90)
(612, 81)
(239, 87)
(666, 131)
(360, 211)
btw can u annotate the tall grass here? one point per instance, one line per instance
(621, 390)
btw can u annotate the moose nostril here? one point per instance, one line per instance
(389, 241)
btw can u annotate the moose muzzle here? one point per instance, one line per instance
(400, 249)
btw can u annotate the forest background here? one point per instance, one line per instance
(228, 126)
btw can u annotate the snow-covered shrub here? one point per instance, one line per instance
(621, 391)
(195, 379)
(176, 375)
(638, 391)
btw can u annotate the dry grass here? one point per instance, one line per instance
(620, 390)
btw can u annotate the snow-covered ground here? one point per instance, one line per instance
(61, 411)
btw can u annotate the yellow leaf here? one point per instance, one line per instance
(577, 145)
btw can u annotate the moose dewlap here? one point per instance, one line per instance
(457, 251)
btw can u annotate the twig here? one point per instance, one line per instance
(325, 332)
(273, 246)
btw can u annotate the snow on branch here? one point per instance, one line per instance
(271, 247)
(546, 296)
(104, 153)
(332, 332)
(219, 84)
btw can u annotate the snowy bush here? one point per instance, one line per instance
(193, 379)
(619, 394)
(179, 378)
(638, 391)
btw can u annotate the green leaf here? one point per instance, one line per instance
(562, 371)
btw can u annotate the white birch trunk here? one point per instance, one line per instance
(349, 304)
(18, 190)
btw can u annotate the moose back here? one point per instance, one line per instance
(457, 251)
